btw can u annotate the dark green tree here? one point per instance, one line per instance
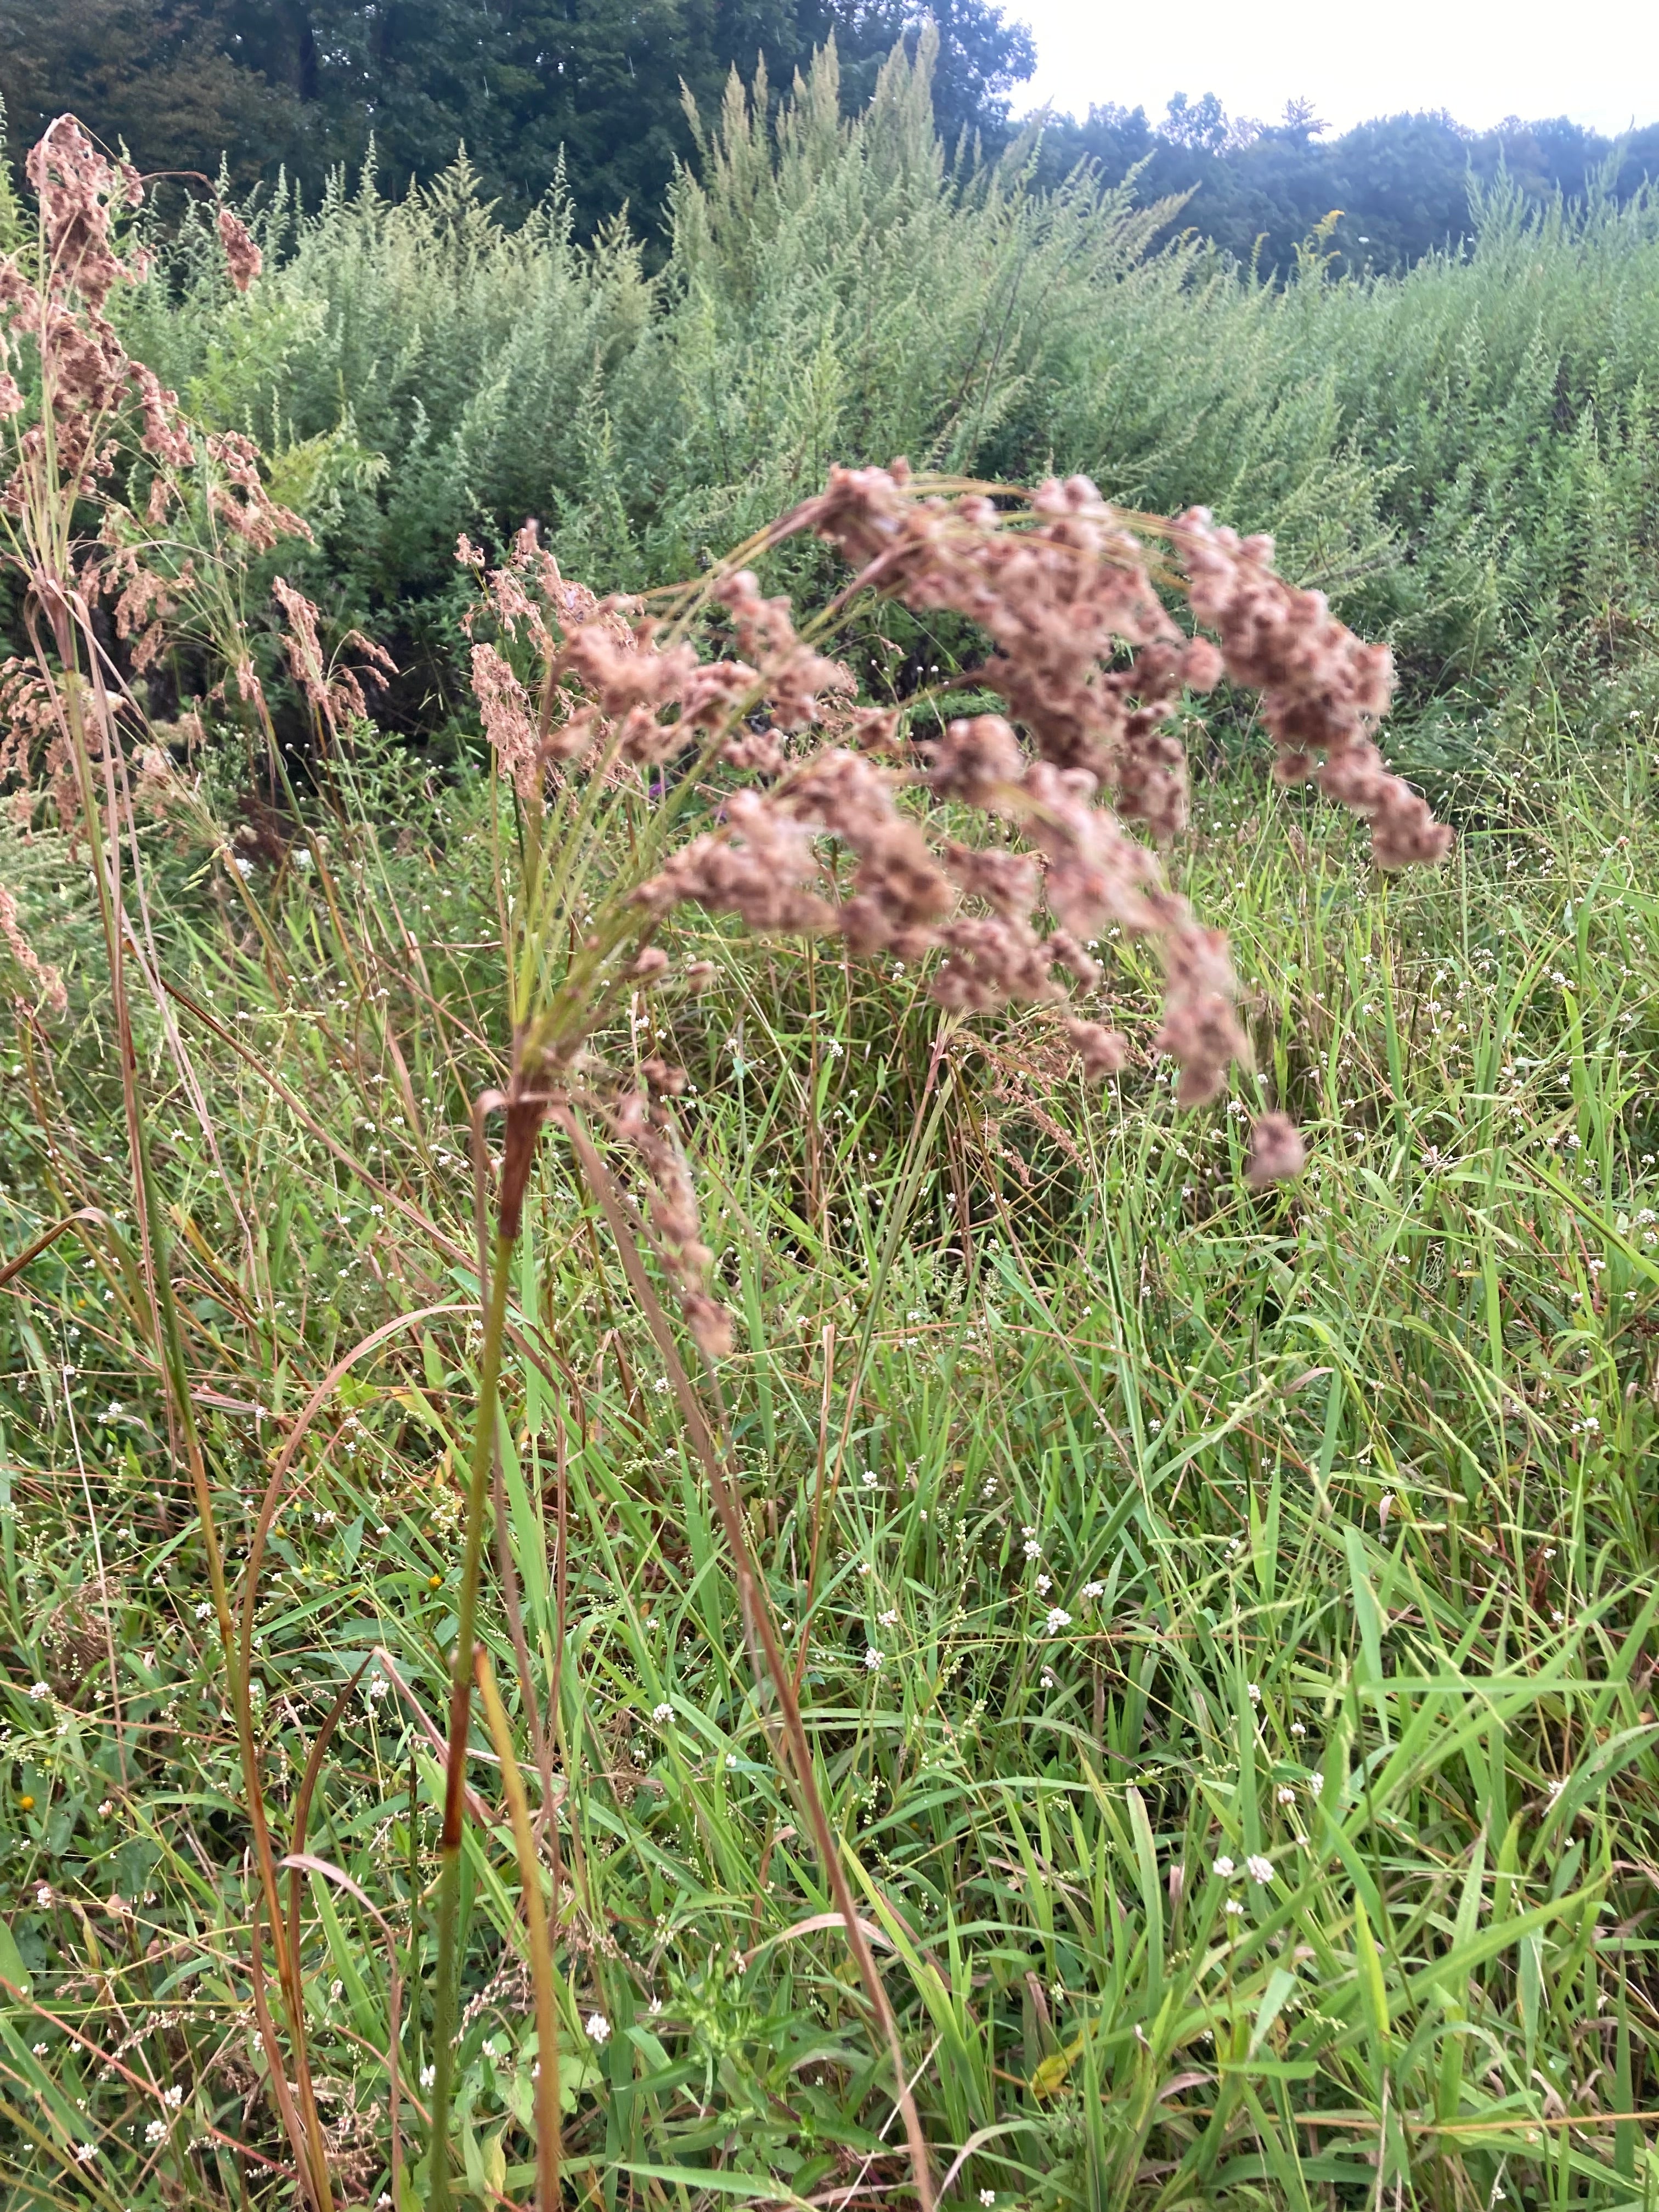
(521, 84)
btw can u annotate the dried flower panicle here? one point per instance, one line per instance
(243, 259)
(334, 690)
(643, 1120)
(509, 718)
(86, 372)
(238, 497)
(756, 868)
(1277, 1151)
(1322, 690)
(794, 676)
(47, 977)
(144, 599)
(1093, 671)
(34, 741)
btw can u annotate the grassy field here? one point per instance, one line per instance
(1223, 1622)
(1208, 1631)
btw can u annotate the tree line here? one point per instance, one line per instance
(1377, 197)
(592, 90)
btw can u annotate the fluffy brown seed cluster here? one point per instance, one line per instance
(1322, 690)
(1092, 669)
(242, 257)
(86, 375)
(333, 689)
(642, 1119)
(46, 977)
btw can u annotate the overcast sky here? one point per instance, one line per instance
(1596, 61)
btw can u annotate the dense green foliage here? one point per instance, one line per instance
(590, 90)
(1464, 455)
(590, 86)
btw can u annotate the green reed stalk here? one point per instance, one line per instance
(446, 2009)
(537, 1941)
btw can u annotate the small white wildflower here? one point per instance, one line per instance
(1287, 1796)
(243, 865)
(598, 2026)
(1233, 1908)
(1044, 1585)
(872, 1658)
(1094, 1590)
(429, 2075)
(889, 1619)
(39, 1691)
(1033, 1549)
(38, 2049)
(155, 2130)
(175, 2095)
(663, 1712)
(1297, 1729)
(86, 2153)
(1317, 1783)
(1258, 1868)
(1225, 1868)
(1254, 1689)
(871, 1478)
(1058, 1619)
(43, 1895)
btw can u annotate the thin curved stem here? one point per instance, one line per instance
(446, 2009)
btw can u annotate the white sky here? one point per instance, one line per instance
(1596, 61)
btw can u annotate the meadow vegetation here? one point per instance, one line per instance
(1220, 1614)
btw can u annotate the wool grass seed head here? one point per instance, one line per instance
(809, 817)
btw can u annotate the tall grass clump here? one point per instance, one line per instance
(893, 1612)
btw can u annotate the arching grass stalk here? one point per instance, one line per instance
(446, 2009)
(619, 731)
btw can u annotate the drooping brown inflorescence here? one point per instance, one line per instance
(242, 257)
(1322, 690)
(46, 977)
(1093, 670)
(86, 374)
(334, 690)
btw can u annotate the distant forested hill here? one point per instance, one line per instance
(594, 86)
(306, 84)
(1399, 186)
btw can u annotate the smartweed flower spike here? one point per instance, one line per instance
(1093, 668)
